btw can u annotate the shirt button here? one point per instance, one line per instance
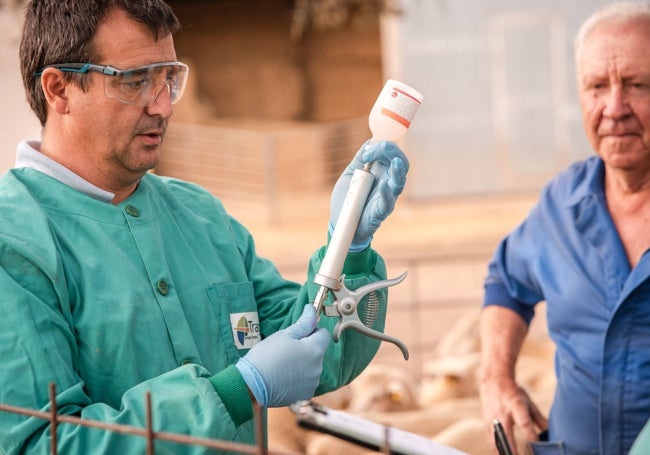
(132, 210)
(163, 287)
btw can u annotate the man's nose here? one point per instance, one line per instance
(616, 103)
(162, 102)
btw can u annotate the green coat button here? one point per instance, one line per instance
(132, 210)
(163, 287)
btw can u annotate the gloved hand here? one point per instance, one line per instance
(390, 177)
(286, 366)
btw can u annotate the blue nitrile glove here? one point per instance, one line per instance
(286, 367)
(390, 177)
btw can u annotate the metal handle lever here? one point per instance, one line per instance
(345, 307)
(359, 327)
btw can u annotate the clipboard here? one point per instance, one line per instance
(365, 432)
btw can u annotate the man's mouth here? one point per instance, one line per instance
(153, 132)
(618, 134)
(152, 137)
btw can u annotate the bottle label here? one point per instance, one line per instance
(400, 106)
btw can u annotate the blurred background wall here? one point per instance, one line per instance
(16, 119)
(498, 76)
(292, 82)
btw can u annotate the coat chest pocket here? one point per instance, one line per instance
(236, 312)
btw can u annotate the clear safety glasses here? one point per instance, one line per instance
(140, 86)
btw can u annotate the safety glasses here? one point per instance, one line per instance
(140, 86)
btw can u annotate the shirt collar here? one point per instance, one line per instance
(591, 182)
(28, 156)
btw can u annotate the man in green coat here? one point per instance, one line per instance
(115, 282)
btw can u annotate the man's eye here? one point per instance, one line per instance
(135, 82)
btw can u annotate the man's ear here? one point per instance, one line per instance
(54, 89)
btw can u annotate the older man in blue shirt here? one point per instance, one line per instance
(582, 250)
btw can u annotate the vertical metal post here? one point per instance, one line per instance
(53, 419)
(259, 429)
(149, 424)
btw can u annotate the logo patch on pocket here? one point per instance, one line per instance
(245, 329)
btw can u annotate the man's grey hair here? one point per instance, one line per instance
(613, 12)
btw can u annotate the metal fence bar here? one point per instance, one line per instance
(55, 419)
(149, 425)
(259, 426)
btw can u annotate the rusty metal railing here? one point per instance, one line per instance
(151, 436)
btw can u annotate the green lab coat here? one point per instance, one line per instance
(109, 302)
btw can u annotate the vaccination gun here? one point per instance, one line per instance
(390, 117)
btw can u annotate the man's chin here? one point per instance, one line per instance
(625, 160)
(142, 166)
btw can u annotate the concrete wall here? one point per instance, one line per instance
(500, 112)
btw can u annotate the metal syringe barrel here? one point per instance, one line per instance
(329, 273)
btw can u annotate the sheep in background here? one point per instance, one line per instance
(380, 388)
(444, 405)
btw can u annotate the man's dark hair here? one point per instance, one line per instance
(62, 31)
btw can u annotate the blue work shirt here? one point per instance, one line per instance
(568, 253)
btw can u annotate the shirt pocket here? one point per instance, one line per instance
(235, 309)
